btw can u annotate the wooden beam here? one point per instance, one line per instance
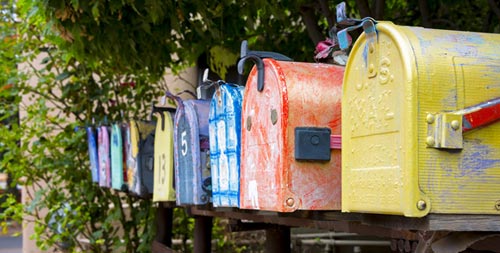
(160, 248)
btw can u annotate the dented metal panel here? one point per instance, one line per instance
(294, 95)
(104, 156)
(225, 144)
(191, 144)
(164, 158)
(404, 149)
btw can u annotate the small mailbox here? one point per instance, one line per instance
(103, 149)
(191, 153)
(164, 157)
(291, 112)
(93, 155)
(118, 148)
(225, 144)
(140, 160)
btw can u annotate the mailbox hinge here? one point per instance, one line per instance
(444, 130)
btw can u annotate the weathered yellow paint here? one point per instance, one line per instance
(387, 166)
(164, 159)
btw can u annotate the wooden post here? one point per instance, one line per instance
(278, 239)
(164, 223)
(202, 234)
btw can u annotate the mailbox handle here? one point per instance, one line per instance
(256, 57)
(261, 54)
(260, 69)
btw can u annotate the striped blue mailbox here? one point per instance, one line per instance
(192, 171)
(225, 144)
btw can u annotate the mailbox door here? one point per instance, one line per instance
(295, 95)
(116, 157)
(164, 162)
(92, 146)
(125, 129)
(190, 118)
(104, 157)
(146, 157)
(394, 86)
(225, 144)
(132, 155)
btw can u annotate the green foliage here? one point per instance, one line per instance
(151, 35)
(57, 94)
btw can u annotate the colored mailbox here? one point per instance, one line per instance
(118, 149)
(140, 160)
(287, 160)
(409, 96)
(93, 155)
(164, 160)
(192, 171)
(103, 149)
(225, 144)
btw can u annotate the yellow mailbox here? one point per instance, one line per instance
(418, 122)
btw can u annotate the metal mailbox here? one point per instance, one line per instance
(119, 147)
(225, 144)
(290, 124)
(411, 97)
(140, 160)
(103, 149)
(131, 157)
(164, 160)
(93, 155)
(193, 183)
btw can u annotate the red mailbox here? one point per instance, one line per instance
(290, 129)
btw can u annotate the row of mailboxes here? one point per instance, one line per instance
(115, 159)
(405, 128)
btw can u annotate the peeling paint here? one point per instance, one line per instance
(389, 162)
(295, 95)
(225, 145)
(192, 175)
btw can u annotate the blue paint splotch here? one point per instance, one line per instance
(365, 54)
(477, 161)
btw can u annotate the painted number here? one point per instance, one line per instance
(184, 143)
(163, 168)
